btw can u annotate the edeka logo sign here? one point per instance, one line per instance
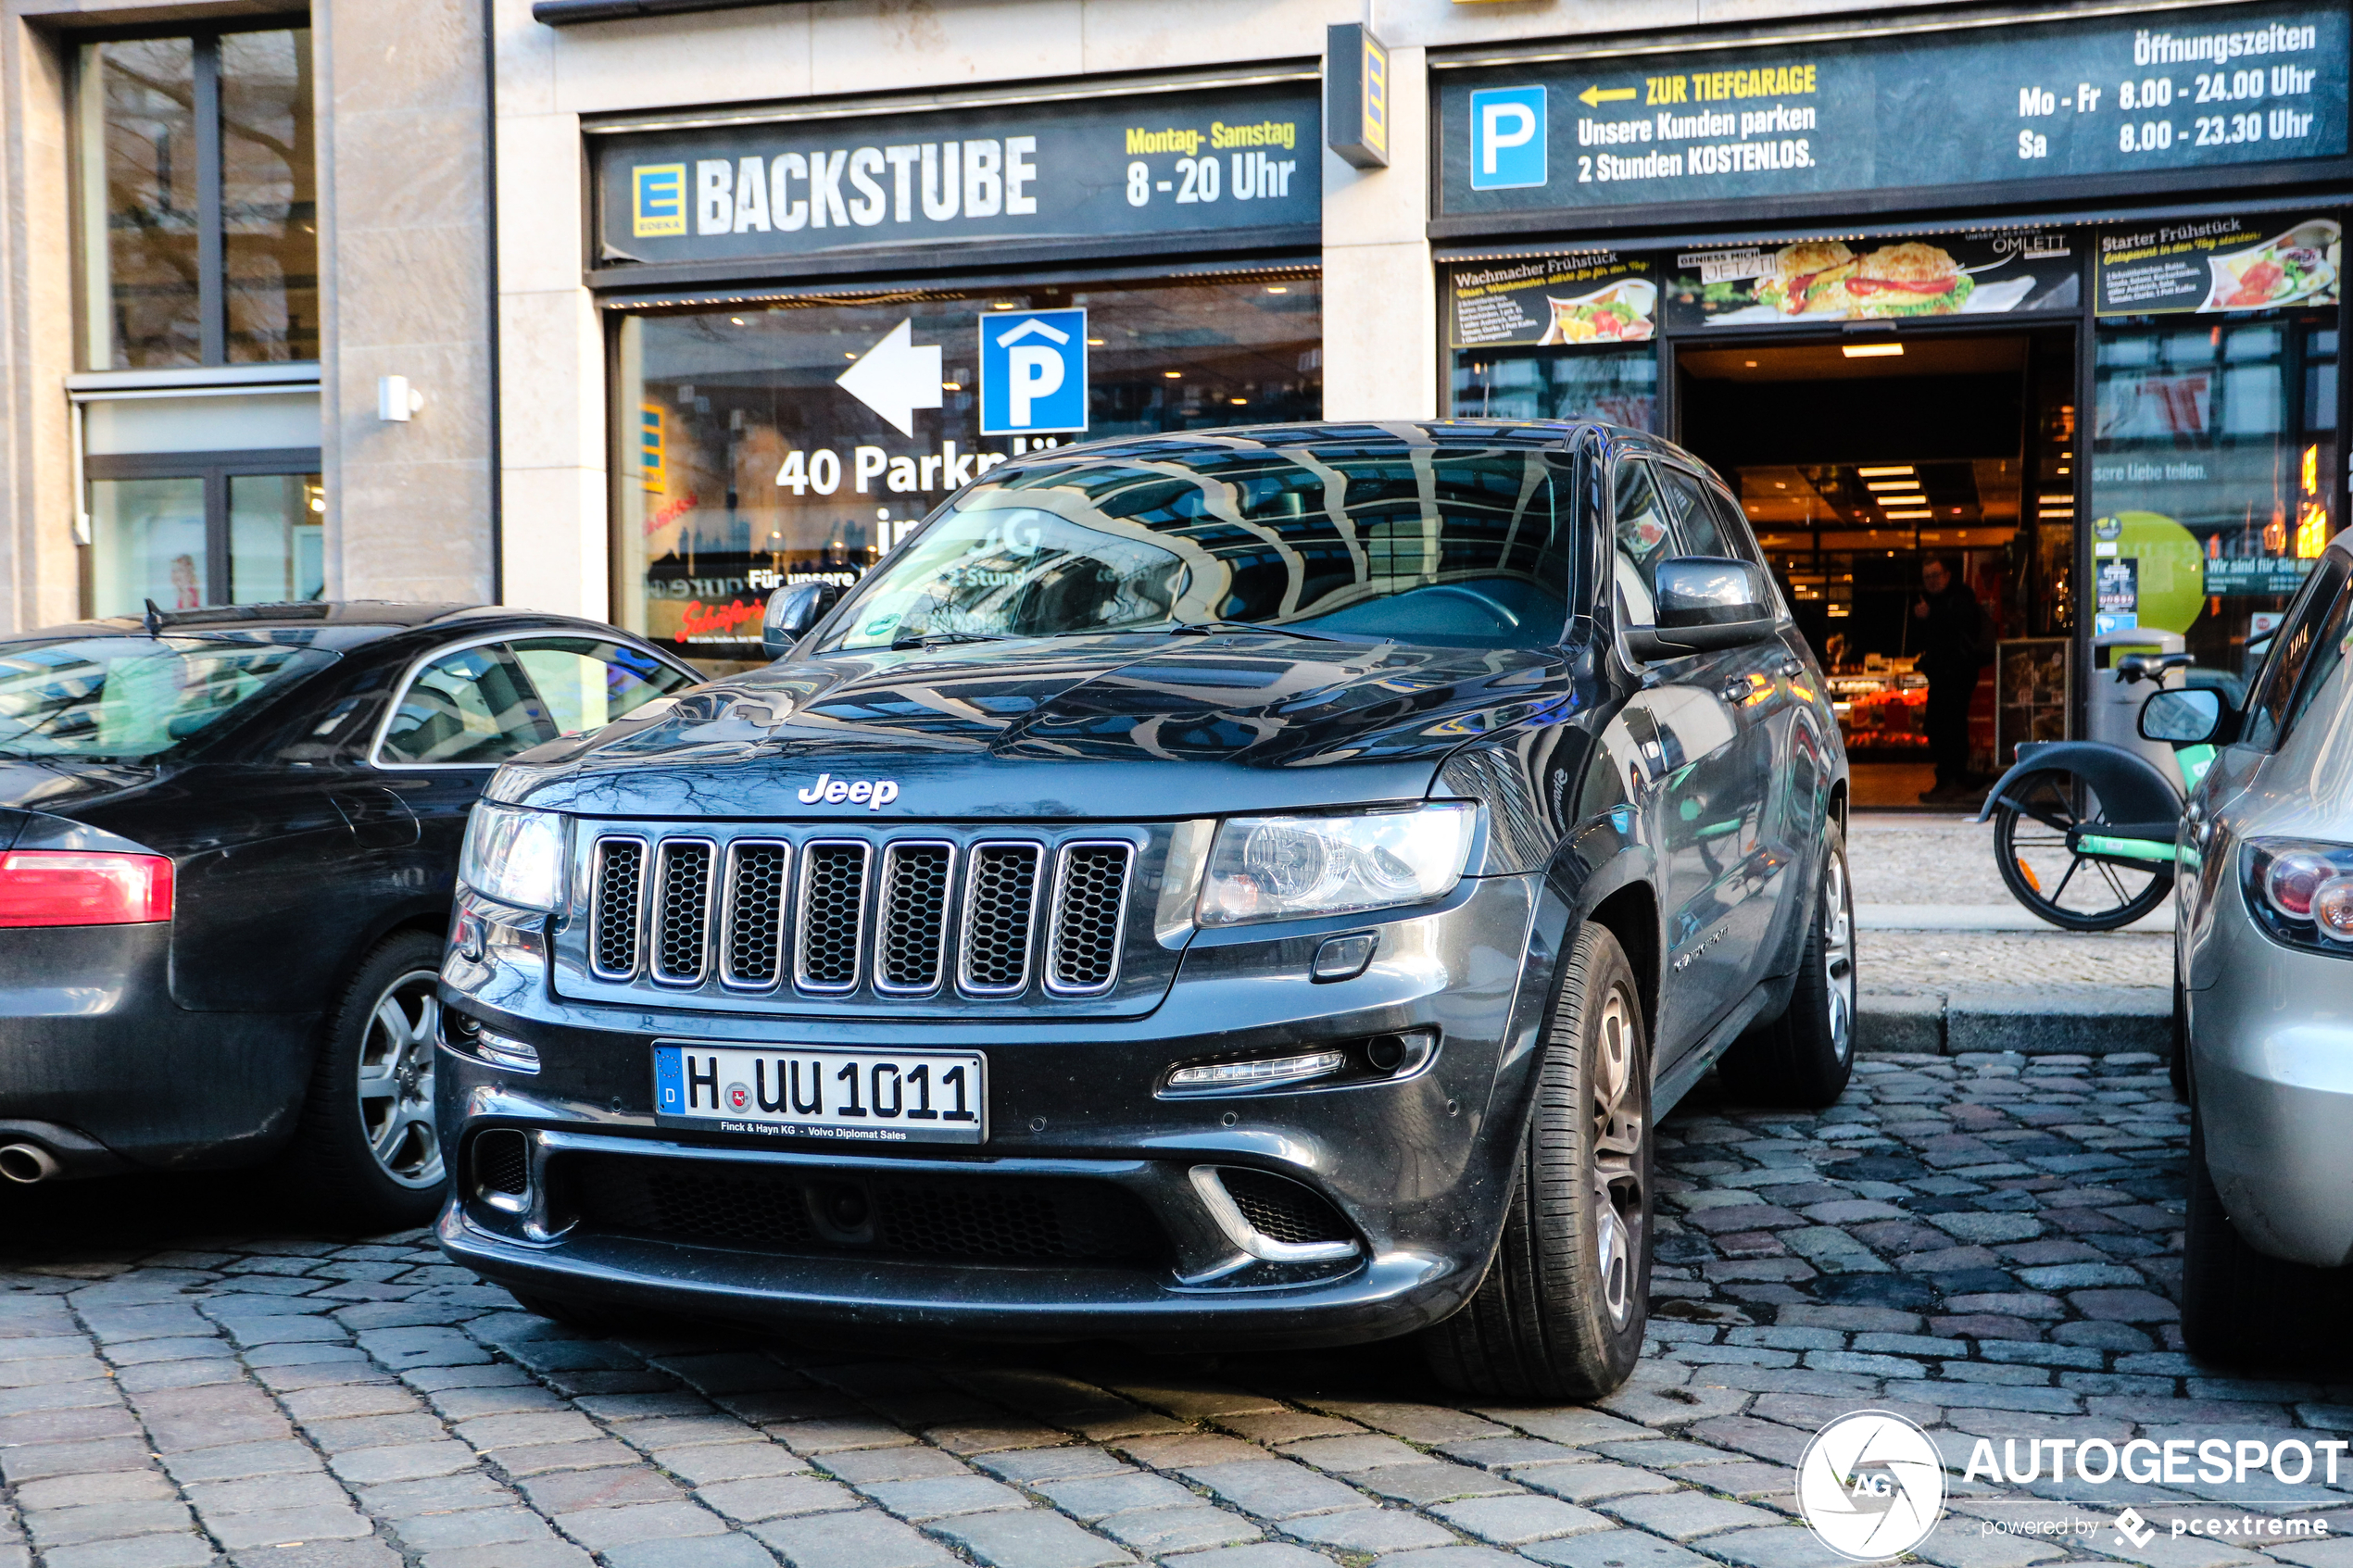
(1508, 138)
(1113, 175)
(1033, 372)
(658, 199)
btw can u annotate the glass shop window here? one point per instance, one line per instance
(2215, 460)
(742, 463)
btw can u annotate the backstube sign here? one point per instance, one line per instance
(2159, 100)
(1238, 163)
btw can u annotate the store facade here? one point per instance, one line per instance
(788, 400)
(2053, 299)
(2049, 293)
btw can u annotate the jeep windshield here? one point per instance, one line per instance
(1453, 546)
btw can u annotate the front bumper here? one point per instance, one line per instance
(1415, 1167)
(2271, 1052)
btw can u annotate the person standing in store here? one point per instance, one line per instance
(1956, 642)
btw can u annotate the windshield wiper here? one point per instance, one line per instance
(929, 639)
(1209, 628)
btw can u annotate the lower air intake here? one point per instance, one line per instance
(944, 1218)
(1284, 1210)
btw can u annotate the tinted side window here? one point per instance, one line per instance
(1694, 522)
(1643, 538)
(1738, 540)
(584, 683)
(471, 705)
(2308, 647)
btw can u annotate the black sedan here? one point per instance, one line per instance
(228, 842)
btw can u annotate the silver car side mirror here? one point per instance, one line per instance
(792, 611)
(2192, 716)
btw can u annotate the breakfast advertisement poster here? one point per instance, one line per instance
(2209, 264)
(1595, 300)
(2006, 272)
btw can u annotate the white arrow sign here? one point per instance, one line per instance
(896, 377)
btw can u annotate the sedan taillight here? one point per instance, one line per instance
(83, 888)
(2301, 892)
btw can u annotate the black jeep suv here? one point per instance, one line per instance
(1260, 886)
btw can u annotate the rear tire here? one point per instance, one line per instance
(1804, 1056)
(366, 1148)
(2245, 1308)
(1560, 1312)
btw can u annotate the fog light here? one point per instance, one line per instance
(499, 1050)
(1267, 1070)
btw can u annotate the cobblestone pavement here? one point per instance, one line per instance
(1986, 1244)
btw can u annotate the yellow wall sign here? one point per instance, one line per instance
(1356, 94)
(653, 467)
(658, 199)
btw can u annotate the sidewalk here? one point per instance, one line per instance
(1951, 963)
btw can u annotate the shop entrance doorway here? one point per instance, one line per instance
(1860, 460)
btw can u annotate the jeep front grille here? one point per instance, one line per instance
(754, 901)
(614, 922)
(896, 916)
(682, 910)
(1091, 897)
(833, 909)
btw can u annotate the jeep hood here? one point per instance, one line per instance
(1118, 727)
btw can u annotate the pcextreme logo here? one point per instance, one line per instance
(1870, 1485)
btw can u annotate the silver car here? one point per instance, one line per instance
(2263, 983)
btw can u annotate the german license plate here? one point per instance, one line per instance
(802, 1092)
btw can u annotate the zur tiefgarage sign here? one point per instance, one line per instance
(2144, 101)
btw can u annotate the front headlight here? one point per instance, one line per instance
(1288, 867)
(515, 855)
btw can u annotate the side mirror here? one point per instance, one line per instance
(792, 611)
(1704, 602)
(2195, 716)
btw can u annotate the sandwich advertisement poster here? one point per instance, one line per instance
(1815, 281)
(1600, 301)
(2210, 265)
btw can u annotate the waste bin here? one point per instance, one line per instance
(2113, 704)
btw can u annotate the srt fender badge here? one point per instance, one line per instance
(872, 793)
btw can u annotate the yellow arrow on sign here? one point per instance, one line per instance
(1592, 95)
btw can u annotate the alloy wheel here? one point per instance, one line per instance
(1838, 954)
(395, 1080)
(1617, 1133)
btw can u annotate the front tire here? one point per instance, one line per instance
(1561, 1311)
(1804, 1056)
(366, 1147)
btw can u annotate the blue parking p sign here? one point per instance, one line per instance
(1033, 372)
(1508, 138)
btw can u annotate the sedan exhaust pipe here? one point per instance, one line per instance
(26, 1163)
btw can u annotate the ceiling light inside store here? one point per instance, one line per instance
(1892, 483)
(734, 321)
(1240, 402)
(1872, 350)
(1094, 343)
(1277, 288)
(1922, 511)
(1003, 305)
(1876, 474)
(1172, 375)
(951, 386)
(1749, 363)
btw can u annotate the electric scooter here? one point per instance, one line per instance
(2084, 830)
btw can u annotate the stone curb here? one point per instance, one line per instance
(2085, 1020)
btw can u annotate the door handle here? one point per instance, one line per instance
(1793, 667)
(1735, 692)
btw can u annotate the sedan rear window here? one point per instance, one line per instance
(131, 697)
(1455, 547)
